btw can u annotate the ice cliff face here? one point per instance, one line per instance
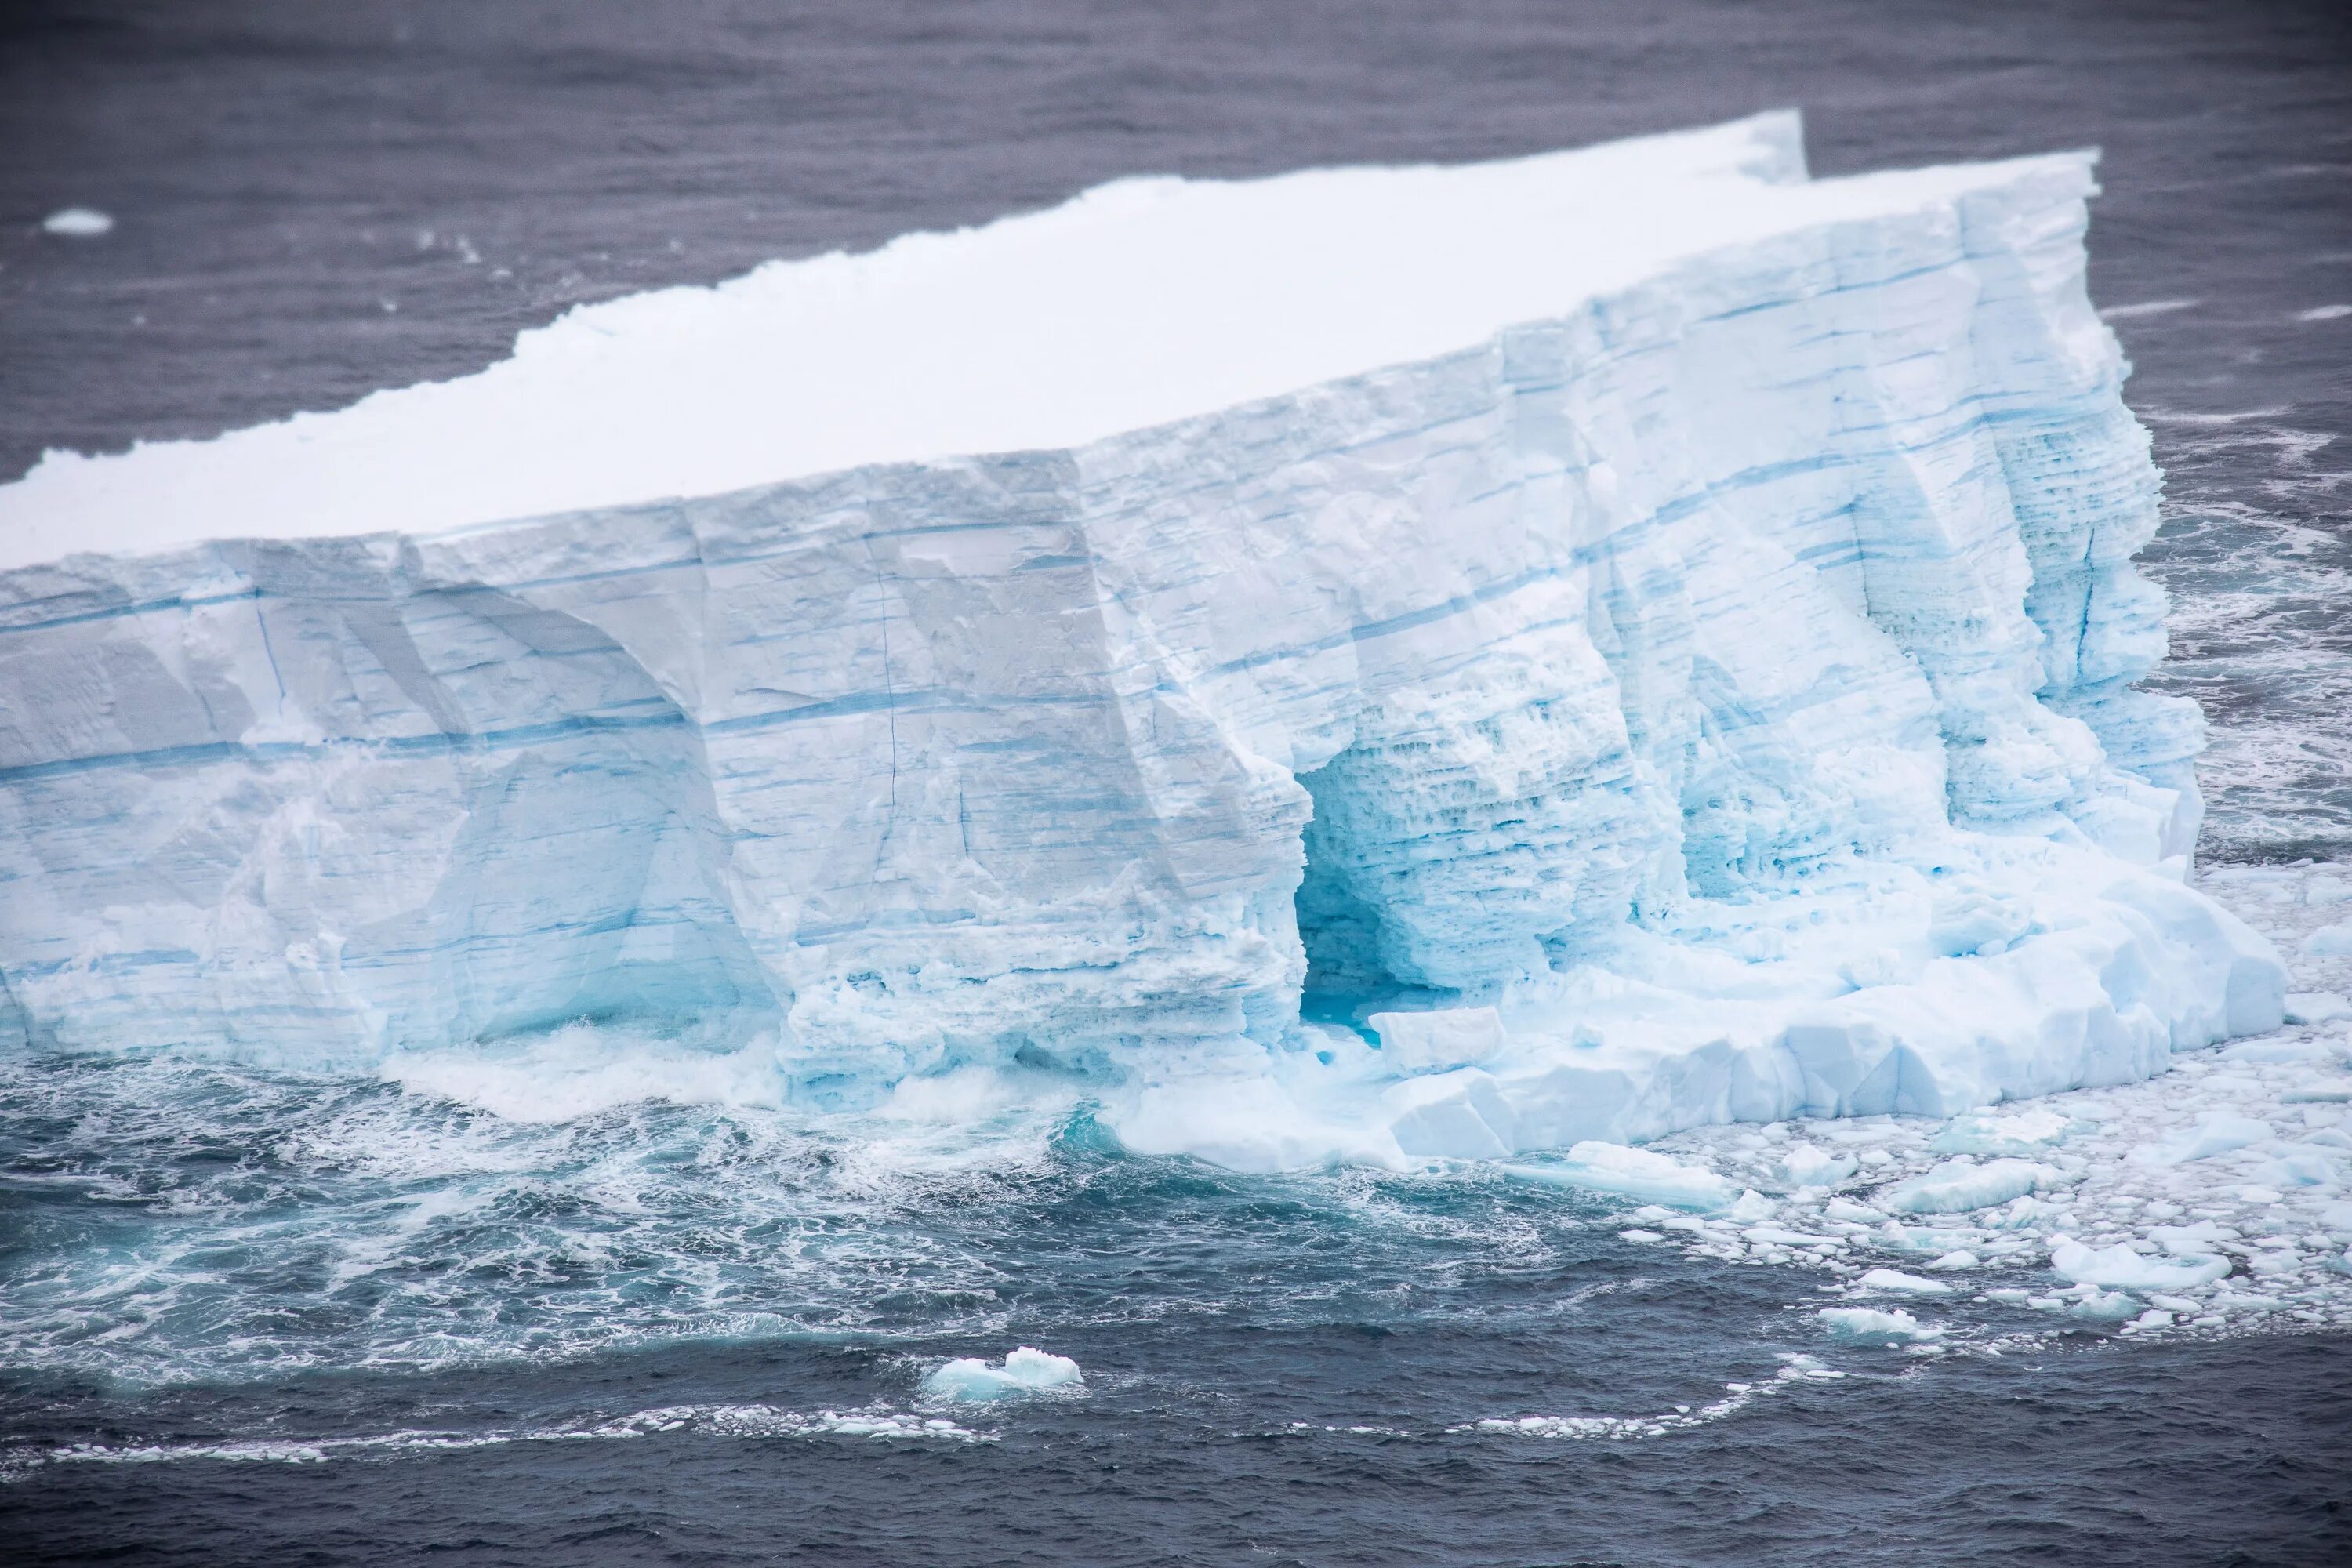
(1709, 697)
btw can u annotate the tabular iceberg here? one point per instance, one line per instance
(1618, 640)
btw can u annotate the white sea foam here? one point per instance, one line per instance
(583, 1068)
(1795, 1369)
(2146, 307)
(731, 1421)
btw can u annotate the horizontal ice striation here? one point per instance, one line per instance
(1709, 697)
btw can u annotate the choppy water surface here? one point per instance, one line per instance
(250, 1313)
(256, 1316)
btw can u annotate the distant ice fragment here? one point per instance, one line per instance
(77, 223)
(2021, 1133)
(2316, 1006)
(2217, 1132)
(1806, 1165)
(1959, 1184)
(1895, 1281)
(1868, 1325)
(2329, 942)
(2146, 307)
(2104, 1306)
(2120, 1268)
(2199, 1241)
(1023, 1371)
(1600, 1167)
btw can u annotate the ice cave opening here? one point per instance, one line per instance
(1339, 928)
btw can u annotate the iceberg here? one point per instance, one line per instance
(1374, 664)
(1025, 1370)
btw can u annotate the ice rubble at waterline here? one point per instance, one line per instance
(2210, 1200)
(1635, 639)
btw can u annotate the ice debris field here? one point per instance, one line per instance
(2209, 1199)
(1506, 662)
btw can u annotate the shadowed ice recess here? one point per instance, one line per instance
(1371, 667)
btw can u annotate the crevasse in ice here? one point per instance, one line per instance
(1370, 665)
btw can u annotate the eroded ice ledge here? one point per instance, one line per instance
(1634, 637)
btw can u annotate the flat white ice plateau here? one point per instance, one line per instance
(1382, 665)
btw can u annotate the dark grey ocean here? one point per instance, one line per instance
(255, 1317)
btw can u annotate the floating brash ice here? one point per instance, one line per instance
(1376, 664)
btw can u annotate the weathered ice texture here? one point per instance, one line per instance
(1710, 701)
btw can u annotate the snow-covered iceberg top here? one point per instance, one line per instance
(1139, 302)
(1618, 640)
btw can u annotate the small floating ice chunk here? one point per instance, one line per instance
(1960, 1183)
(1929, 1240)
(2316, 1006)
(1895, 1281)
(1024, 1371)
(2119, 1268)
(1804, 1165)
(2200, 1239)
(2272, 1051)
(1868, 1325)
(2217, 1133)
(1956, 1260)
(2025, 1132)
(1776, 1236)
(77, 223)
(1603, 1167)
(2329, 942)
(2107, 1306)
